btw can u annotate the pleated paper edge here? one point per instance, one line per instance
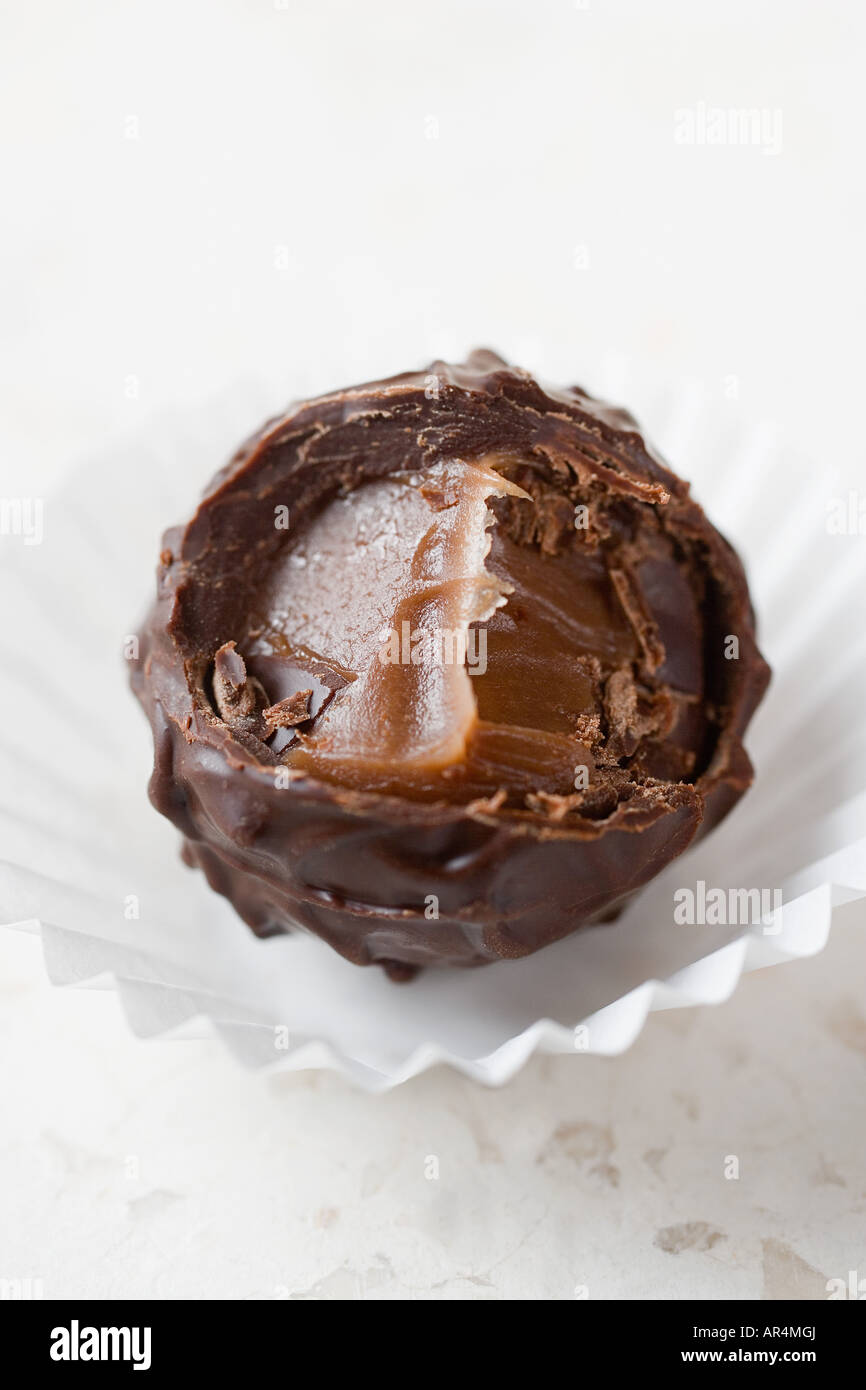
(800, 930)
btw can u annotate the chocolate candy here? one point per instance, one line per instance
(445, 666)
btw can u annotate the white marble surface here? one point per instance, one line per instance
(201, 190)
(160, 1170)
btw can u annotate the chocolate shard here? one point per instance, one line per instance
(285, 714)
(240, 699)
(483, 695)
(229, 667)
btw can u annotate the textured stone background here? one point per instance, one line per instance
(160, 1170)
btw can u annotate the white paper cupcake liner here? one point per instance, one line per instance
(86, 858)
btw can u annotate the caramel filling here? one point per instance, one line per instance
(465, 633)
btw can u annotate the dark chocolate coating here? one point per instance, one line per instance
(359, 867)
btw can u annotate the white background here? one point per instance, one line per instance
(309, 193)
(283, 214)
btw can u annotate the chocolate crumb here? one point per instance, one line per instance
(439, 497)
(489, 804)
(553, 805)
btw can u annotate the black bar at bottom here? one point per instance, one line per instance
(66, 1337)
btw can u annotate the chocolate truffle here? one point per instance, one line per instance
(444, 667)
